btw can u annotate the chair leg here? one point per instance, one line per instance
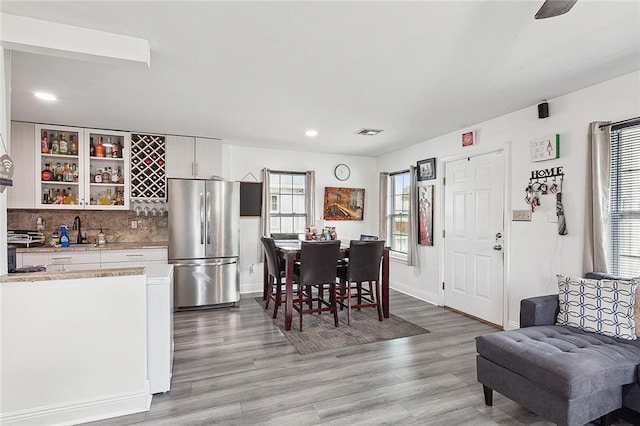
(321, 296)
(348, 303)
(268, 293)
(301, 302)
(278, 300)
(377, 296)
(334, 303)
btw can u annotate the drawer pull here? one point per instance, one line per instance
(61, 258)
(135, 255)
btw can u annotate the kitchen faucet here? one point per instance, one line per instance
(77, 226)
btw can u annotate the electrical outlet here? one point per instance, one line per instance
(251, 269)
(521, 215)
(134, 224)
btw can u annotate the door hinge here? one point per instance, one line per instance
(443, 233)
(443, 285)
(444, 181)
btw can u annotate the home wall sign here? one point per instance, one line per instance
(547, 148)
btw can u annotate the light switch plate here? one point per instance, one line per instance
(521, 215)
(134, 224)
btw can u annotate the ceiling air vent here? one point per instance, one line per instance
(368, 132)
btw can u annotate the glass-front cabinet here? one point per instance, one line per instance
(82, 168)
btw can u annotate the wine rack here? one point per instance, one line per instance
(148, 177)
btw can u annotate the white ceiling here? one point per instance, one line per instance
(261, 73)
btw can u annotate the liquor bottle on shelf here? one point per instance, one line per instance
(58, 172)
(63, 144)
(92, 175)
(92, 148)
(74, 171)
(115, 177)
(47, 174)
(45, 143)
(106, 175)
(115, 150)
(55, 145)
(67, 174)
(99, 148)
(120, 176)
(98, 177)
(73, 145)
(108, 148)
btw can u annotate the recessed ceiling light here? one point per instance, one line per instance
(369, 132)
(45, 96)
(311, 133)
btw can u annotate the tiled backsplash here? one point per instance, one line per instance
(115, 224)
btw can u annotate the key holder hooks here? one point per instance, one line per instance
(539, 185)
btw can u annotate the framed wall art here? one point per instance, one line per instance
(427, 169)
(425, 215)
(343, 203)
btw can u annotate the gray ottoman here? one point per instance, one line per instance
(562, 374)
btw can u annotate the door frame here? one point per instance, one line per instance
(506, 223)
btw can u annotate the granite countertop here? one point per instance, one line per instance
(71, 275)
(88, 247)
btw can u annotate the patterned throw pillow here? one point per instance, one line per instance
(600, 306)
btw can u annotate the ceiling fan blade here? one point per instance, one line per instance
(552, 8)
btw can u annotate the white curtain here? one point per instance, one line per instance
(265, 216)
(311, 197)
(383, 204)
(597, 215)
(412, 243)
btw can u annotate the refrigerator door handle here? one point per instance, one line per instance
(201, 218)
(208, 218)
(218, 263)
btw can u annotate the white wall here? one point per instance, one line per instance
(5, 117)
(240, 160)
(534, 250)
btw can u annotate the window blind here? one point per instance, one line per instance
(625, 201)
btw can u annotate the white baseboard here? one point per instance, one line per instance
(512, 325)
(70, 413)
(251, 288)
(416, 293)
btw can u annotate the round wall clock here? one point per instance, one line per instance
(342, 172)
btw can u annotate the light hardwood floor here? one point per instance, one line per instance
(233, 366)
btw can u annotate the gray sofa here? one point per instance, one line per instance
(563, 374)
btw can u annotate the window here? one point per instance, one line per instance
(399, 188)
(625, 201)
(287, 193)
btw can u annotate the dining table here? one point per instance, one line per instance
(289, 252)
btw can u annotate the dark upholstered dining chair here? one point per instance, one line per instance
(284, 236)
(317, 269)
(276, 271)
(363, 266)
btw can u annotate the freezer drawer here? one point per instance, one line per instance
(206, 283)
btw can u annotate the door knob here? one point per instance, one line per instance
(498, 235)
(497, 247)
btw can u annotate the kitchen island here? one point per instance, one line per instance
(74, 346)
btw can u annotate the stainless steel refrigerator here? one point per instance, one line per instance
(204, 241)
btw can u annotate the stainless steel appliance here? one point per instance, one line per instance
(204, 241)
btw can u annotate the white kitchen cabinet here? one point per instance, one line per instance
(22, 151)
(134, 257)
(91, 172)
(189, 157)
(58, 261)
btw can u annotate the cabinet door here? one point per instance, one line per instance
(106, 174)
(208, 157)
(61, 186)
(180, 157)
(22, 149)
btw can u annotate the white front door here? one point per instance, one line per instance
(473, 224)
